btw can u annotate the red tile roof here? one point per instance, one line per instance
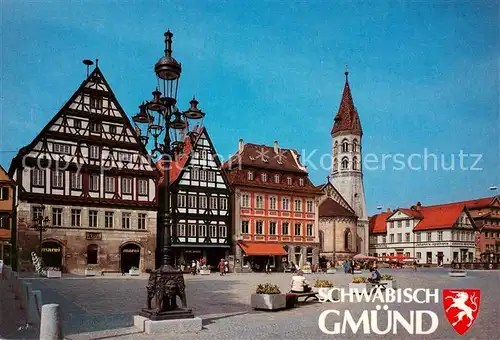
(347, 118)
(378, 224)
(330, 208)
(439, 216)
(265, 157)
(411, 212)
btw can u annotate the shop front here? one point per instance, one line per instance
(256, 255)
(186, 255)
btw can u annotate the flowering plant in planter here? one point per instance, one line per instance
(386, 277)
(323, 284)
(360, 280)
(306, 267)
(93, 267)
(267, 288)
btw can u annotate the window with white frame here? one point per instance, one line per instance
(94, 152)
(259, 227)
(57, 179)
(142, 186)
(124, 157)
(93, 218)
(61, 148)
(429, 236)
(126, 185)
(245, 227)
(76, 181)
(76, 217)
(38, 177)
(95, 127)
(213, 202)
(289, 180)
(272, 203)
(309, 230)
(96, 103)
(125, 220)
(181, 229)
(211, 176)
(285, 228)
(259, 202)
(384, 239)
(192, 201)
(250, 175)
(57, 216)
(301, 182)
(108, 219)
(263, 177)
(419, 237)
(400, 223)
(181, 200)
(203, 175)
(109, 184)
(37, 214)
(407, 223)
(309, 206)
(191, 229)
(285, 204)
(400, 238)
(203, 202)
(391, 238)
(407, 237)
(276, 178)
(222, 231)
(440, 235)
(203, 154)
(298, 205)
(195, 173)
(202, 230)
(245, 200)
(419, 255)
(298, 229)
(213, 230)
(94, 182)
(223, 203)
(272, 228)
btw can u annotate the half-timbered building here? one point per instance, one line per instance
(201, 195)
(89, 173)
(275, 208)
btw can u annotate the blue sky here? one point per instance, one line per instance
(424, 75)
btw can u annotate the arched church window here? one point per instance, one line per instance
(345, 163)
(335, 165)
(345, 146)
(347, 240)
(354, 163)
(355, 145)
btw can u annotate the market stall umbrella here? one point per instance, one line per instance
(362, 257)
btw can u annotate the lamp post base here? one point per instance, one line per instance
(180, 313)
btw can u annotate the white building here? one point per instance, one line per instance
(436, 234)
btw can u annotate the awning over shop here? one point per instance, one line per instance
(262, 249)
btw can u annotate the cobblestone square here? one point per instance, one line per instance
(102, 307)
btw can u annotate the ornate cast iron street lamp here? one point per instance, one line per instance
(40, 223)
(163, 119)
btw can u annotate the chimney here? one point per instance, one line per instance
(388, 210)
(240, 145)
(419, 205)
(276, 147)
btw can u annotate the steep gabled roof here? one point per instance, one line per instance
(440, 216)
(329, 189)
(330, 208)
(347, 118)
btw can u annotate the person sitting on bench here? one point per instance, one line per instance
(375, 276)
(299, 283)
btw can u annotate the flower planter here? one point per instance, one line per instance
(358, 287)
(331, 271)
(134, 272)
(54, 273)
(89, 272)
(307, 271)
(389, 283)
(268, 301)
(457, 274)
(204, 272)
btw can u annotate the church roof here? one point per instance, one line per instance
(330, 208)
(347, 118)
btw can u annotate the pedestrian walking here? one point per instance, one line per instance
(222, 267)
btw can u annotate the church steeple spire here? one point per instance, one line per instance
(347, 118)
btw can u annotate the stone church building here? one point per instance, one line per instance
(343, 219)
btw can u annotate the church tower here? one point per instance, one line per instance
(347, 172)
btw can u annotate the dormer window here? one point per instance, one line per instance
(250, 175)
(289, 180)
(263, 177)
(276, 178)
(301, 182)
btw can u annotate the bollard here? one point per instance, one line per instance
(25, 294)
(35, 307)
(50, 325)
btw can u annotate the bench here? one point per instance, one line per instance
(111, 272)
(297, 296)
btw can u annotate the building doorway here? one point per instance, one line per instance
(51, 254)
(130, 256)
(298, 256)
(92, 254)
